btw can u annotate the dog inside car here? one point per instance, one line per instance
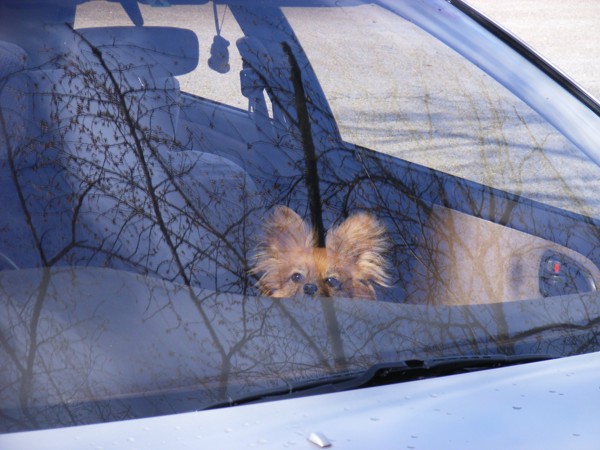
(289, 262)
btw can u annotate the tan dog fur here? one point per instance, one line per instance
(290, 263)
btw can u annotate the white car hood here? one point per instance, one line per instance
(552, 404)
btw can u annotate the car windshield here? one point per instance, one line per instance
(204, 201)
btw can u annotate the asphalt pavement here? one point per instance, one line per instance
(567, 33)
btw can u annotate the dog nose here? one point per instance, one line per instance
(310, 288)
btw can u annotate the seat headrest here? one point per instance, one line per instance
(165, 51)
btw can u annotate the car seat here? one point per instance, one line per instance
(100, 177)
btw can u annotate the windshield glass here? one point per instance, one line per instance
(433, 107)
(205, 202)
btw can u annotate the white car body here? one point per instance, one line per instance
(551, 404)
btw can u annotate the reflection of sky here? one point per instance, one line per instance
(121, 335)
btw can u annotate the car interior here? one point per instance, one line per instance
(161, 182)
(134, 186)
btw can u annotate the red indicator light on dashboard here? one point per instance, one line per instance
(556, 267)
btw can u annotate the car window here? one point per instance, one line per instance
(168, 148)
(396, 89)
(204, 204)
(220, 83)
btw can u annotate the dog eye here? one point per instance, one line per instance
(297, 277)
(333, 282)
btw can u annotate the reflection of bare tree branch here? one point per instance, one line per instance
(27, 376)
(130, 194)
(133, 132)
(306, 337)
(214, 348)
(22, 201)
(139, 201)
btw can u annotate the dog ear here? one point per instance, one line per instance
(284, 231)
(361, 240)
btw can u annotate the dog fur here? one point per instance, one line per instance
(289, 263)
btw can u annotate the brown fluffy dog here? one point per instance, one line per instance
(290, 263)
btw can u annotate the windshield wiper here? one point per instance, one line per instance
(386, 373)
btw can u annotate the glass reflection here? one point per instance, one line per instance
(92, 345)
(131, 211)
